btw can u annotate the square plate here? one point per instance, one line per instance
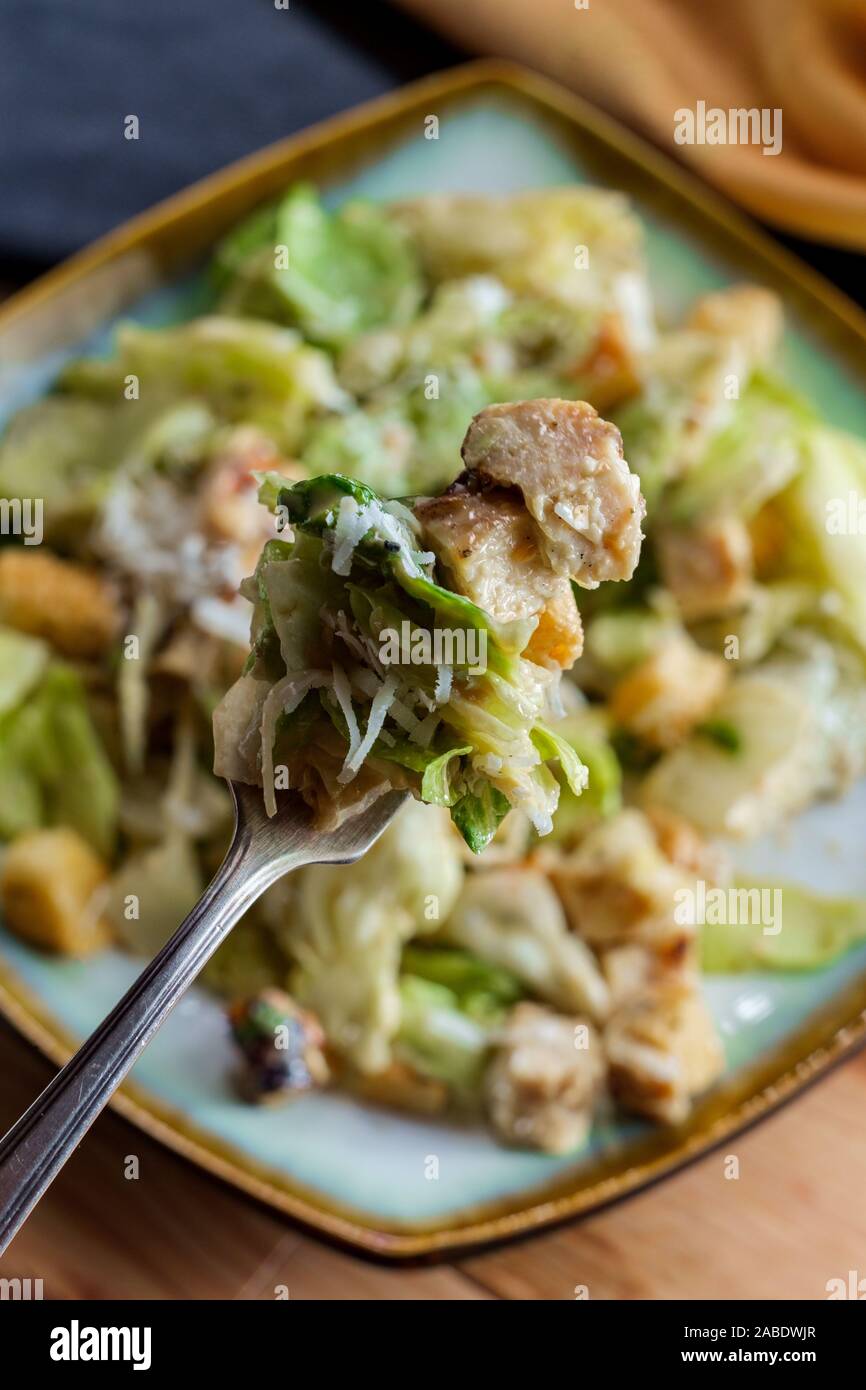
(356, 1173)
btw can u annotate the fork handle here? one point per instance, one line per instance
(36, 1148)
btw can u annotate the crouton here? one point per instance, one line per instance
(70, 607)
(749, 314)
(49, 891)
(662, 698)
(708, 567)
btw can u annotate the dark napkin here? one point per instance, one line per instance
(209, 80)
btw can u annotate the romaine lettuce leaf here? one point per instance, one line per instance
(751, 459)
(814, 930)
(244, 369)
(53, 764)
(333, 274)
(438, 1039)
(482, 990)
(823, 513)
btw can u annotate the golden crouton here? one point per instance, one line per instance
(619, 888)
(749, 314)
(69, 606)
(707, 567)
(665, 696)
(48, 891)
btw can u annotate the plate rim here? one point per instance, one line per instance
(24, 1013)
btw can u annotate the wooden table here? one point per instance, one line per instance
(795, 1218)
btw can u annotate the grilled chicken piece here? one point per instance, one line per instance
(633, 970)
(708, 568)
(488, 546)
(662, 698)
(568, 464)
(662, 1050)
(544, 1079)
(685, 848)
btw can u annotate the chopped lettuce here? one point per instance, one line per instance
(53, 768)
(244, 369)
(685, 401)
(328, 615)
(482, 990)
(331, 274)
(512, 918)
(587, 735)
(249, 960)
(770, 610)
(346, 925)
(373, 445)
(797, 721)
(531, 242)
(813, 931)
(22, 664)
(461, 325)
(478, 816)
(823, 513)
(66, 450)
(151, 893)
(751, 459)
(438, 1039)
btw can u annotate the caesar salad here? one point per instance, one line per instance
(276, 534)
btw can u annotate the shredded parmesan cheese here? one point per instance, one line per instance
(283, 698)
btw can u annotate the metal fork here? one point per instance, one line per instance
(261, 851)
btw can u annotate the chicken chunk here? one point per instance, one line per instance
(663, 1050)
(631, 970)
(708, 568)
(69, 606)
(662, 698)
(512, 918)
(544, 1079)
(685, 848)
(568, 464)
(489, 549)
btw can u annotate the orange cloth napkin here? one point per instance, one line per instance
(643, 60)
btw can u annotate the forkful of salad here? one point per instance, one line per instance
(396, 648)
